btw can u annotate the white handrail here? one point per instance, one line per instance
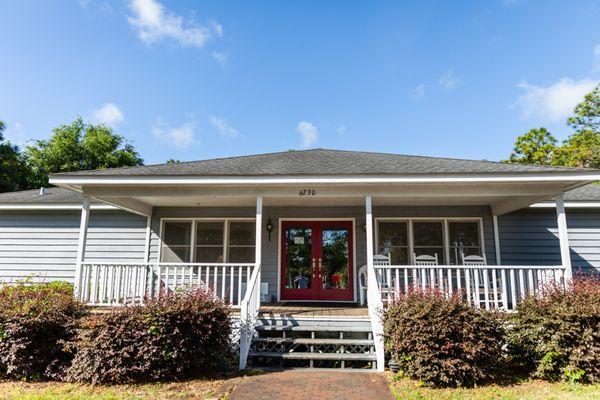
(486, 286)
(249, 312)
(375, 305)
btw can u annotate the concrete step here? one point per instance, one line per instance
(309, 341)
(316, 356)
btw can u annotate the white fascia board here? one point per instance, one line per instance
(282, 180)
(54, 207)
(569, 204)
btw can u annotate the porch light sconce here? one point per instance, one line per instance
(364, 226)
(269, 228)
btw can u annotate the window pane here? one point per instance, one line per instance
(175, 254)
(428, 234)
(399, 255)
(241, 233)
(464, 234)
(209, 254)
(241, 254)
(393, 234)
(209, 233)
(177, 233)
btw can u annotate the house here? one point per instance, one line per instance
(289, 238)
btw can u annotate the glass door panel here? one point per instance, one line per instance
(298, 261)
(335, 260)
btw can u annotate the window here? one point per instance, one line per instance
(403, 238)
(209, 242)
(176, 243)
(393, 240)
(214, 241)
(464, 239)
(428, 238)
(241, 242)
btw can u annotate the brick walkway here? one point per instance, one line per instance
(318, 385)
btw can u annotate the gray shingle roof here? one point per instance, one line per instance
(584, 193)
(53, 195)
(321, 162)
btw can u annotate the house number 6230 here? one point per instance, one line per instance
(307, 192)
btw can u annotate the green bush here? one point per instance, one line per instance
(557, 337)
(173, 337)
(443, 341)
(36, 321)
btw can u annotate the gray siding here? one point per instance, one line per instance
(530, 236)
(42, 245)
(270, 251)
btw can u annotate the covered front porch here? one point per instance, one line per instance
(317, 244)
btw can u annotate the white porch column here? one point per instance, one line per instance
(147, 243)
(83, 228)
(497, 240)
(369, 228)
(258, 241)
(563, 236)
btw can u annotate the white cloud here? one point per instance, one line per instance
(221, 58)
(342, 129)
(308, 133)
(596, 66)
(109, 114)
(180, 137)
(418, 92)
(448, 81)
(222, 127)
(555, 102)
(154, 24)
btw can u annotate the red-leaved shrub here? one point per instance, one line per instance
(173, 337)
(557, 336)
(443, 341)
(36, 322)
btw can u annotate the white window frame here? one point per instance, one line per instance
(194, 221)
(445, 232)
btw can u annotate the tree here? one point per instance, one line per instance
(581, 149)
(13, 171)
(587, 113)
(79, 146)
(535, 147)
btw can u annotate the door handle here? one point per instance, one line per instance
(320, 267)
(313, 268)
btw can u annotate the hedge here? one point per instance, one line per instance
(443, 341)
(557, 336)
(173, 337)
(36, 323)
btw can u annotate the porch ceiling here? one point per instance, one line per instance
(503, 197)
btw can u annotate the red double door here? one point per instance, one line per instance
(317, 260)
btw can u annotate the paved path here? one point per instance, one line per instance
(318, 385)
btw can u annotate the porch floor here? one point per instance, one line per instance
(313, 310)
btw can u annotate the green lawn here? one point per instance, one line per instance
(406, 389)
(193, 389)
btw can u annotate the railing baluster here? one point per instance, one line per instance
(495, 288)
(522, 283)
(530, 283)
(468, 283)
(449, 273)
(504, 289)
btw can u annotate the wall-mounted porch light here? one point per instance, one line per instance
(269, 227)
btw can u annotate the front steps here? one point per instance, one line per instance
(324, 342)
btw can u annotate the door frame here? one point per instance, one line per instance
(353, 265)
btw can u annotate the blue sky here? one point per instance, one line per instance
(196, 79)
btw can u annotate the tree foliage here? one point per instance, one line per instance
(79, 146)
(535, 147)
(13, 171)
(581, 149)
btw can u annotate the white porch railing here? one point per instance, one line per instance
(486, 286)
(110, 284)
(249, 313)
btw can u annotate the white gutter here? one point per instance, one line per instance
(572, 204)
(282, 180)
(54, 207)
